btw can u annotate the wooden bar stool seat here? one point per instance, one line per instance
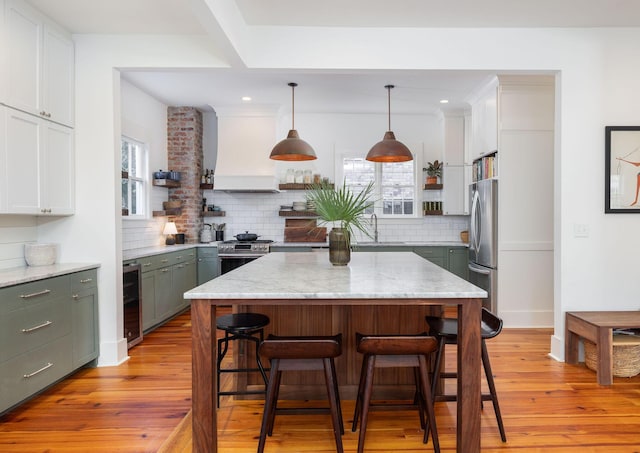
(298, 353)
(396, 351)
(446, 330)
(241, 326)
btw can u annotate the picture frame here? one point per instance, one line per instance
(622, 170)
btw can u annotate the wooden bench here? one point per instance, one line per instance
(597, 327)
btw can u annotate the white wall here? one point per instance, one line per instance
(144, 118)
(15, 231)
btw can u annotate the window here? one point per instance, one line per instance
(134, 163)
(394, 183)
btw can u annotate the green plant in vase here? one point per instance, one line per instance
(345, 210)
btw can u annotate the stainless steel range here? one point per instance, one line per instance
(233, 254)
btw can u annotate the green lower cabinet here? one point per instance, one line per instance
(459, 261)
(185, 276)
(149, 318)
(165, 296)
(208, 267)
(437, 255)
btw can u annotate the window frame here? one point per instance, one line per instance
(378, 188)
(140, 179)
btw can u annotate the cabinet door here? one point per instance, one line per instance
(184, 279)
(58, 169)
(459, 262)
(453, 190)
(57, 88)
(453, 150)
(22, 183)
(208, 267)
(165, 296)
(149, 318)
(24, 28)
(85, 326)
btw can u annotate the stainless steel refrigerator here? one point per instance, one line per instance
(483, 240)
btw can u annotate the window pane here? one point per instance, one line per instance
(125, 194)
(125, 156)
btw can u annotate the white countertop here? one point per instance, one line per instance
(310, 275)
(376, 244)
(25, 274)
(150, 251)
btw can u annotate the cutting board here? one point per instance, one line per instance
(304, 230)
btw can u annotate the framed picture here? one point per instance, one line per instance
(622, 169)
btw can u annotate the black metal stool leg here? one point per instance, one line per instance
(492, 390)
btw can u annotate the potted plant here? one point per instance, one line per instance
(345, 211)
(434, 171)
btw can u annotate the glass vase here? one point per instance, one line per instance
(339, 247)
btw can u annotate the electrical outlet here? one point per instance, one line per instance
(580, 230)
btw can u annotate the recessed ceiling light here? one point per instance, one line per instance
(246, 98)
(444, 101)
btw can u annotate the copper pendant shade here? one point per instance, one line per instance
(292, 148)
(389, 149)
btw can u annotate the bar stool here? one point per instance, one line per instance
(393, 351)
(241, 326)
(446, 330)
(296, 354)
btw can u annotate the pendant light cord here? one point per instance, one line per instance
(293, 86)
(388, 87)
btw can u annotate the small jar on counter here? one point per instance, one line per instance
(299, 177)
(290, 177)
(307, 177)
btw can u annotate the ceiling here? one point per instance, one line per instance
(322, 91)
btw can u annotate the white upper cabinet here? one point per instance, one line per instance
(38, 158)
(454, 185)
(38, 62)
(484, 121)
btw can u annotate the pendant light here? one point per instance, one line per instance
(293, 147)
(389, 149)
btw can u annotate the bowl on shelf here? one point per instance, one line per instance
(40, 254)
(173, 204)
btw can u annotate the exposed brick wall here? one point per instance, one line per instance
(184, 149)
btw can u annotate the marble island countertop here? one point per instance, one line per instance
(376, 244)
(26, 274)
(310, 275)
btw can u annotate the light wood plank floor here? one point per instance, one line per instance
(547, 406)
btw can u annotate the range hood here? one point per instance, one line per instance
(245, 139)
(245, 183)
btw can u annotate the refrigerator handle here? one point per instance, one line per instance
(479, 270)
(475, 224)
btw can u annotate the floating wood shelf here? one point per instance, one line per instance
(206, 186)
(433, 187)
(167, 212)
(438, 212)
(169, 183)
(298, 186)
(213, 213)
(292, 213)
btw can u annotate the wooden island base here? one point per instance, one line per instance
(331, 320)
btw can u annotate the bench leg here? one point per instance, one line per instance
(605, 356)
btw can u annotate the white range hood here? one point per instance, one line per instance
(245, 139)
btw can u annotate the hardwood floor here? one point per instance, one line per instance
(546, 406)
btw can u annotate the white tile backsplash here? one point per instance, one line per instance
(258, 213)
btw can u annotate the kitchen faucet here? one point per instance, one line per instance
(374, 221)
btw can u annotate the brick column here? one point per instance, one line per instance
(184, 152)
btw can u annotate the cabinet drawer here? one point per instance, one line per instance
(151, 263)
(207, 252)
(26, 294)
(29, 373)
(184, 255)
(33, 326)
(84, 280)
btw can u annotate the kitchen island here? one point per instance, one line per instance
(370, 279)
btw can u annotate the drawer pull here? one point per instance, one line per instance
(75, 297)
(180, 266)
(146, 264)
(86, 280)
(179, 257)
(40, 326)
(47, 366)
(39, 293)
(164, 261)
(164, 270)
